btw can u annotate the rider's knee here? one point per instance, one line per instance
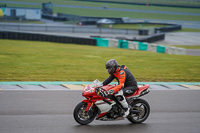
(120, 98)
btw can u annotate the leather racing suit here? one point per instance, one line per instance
(126, 80)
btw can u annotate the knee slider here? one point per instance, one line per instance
(120, 98)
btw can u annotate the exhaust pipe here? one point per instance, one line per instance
(144, 92)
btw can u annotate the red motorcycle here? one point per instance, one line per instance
(105, 109)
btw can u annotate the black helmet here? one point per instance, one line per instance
(111, 66)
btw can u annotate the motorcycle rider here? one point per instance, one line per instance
(127, 83)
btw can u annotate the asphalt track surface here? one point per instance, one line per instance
(172, 111)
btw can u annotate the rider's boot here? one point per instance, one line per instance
(126, 107)
(123, 102)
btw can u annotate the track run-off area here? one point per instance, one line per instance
(50, 110)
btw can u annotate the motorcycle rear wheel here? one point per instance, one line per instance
(82, 116)
(142, 108)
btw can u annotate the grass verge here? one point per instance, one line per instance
(45, 61)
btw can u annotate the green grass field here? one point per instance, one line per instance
(165, 2)
(45, 61)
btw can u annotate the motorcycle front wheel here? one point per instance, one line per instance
(82, 116)
(140, 110)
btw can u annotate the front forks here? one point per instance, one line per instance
(89, 104)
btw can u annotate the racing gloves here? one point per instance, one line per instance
(99, 91)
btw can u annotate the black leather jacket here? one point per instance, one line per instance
(129, 78)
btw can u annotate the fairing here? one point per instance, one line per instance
(95, 100)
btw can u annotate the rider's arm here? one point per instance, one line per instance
(108, 80)
(121, 77)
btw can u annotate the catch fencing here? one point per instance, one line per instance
(68, 29)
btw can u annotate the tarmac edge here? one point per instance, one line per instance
(89, 82)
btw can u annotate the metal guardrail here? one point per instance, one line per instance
(63, 28)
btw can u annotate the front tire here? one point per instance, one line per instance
(142, 109)
(82, 116)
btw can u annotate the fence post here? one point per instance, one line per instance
(45, 28)
(18, 27)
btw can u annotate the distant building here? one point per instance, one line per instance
(21, 13)
(47, 8)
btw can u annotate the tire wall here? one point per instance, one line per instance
(45, 37)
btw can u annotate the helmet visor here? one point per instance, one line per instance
(109, 70)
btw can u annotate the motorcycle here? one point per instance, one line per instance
(105, 109)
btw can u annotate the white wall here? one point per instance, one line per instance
(31, 14)
(20, 12)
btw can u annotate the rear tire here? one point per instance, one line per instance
(143, 109)
(82, 116)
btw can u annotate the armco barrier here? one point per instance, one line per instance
(114, 43)
(45, 37)
(152, 38)
(102, 42)
(175, 50)
(123, 44)
(133, 45)
(170, 50)
(152, 47)
(143, 46)
(169, 28)
(160, 49)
